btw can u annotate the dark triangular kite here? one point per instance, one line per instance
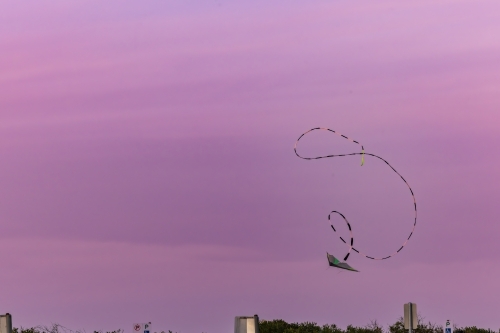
(334, 262)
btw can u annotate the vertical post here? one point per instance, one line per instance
(411, 317)
(245, 324)
(6, 323)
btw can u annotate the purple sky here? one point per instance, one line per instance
(148, 174)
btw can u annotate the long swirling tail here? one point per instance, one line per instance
(350, 243)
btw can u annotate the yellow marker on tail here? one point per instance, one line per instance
(362, 156)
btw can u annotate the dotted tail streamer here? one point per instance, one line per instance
(350, 243)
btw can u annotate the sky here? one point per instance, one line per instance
(147, 170)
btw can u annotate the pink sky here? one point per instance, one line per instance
(148, 171)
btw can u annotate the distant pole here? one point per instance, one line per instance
(411, 317)
(257, 328)
(6, 323)
(243, 324)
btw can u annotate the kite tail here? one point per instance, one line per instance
(351, 243)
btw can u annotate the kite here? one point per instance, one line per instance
(332, 261)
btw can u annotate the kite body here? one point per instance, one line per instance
(332, 261)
